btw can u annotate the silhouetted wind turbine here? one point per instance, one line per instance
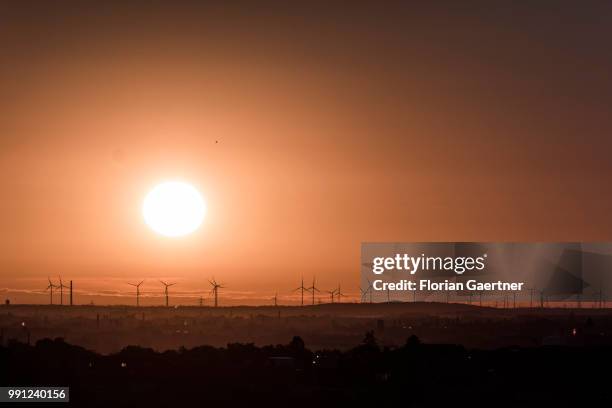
(215, 290)
(531, 290)
(339, 294)
(364, 292)
(601, 300)
(50, 287)
(313, 289)
(61, 288)
(275, 299)
(302, 288)
(166, 286)
(331, 293)
(137, 285)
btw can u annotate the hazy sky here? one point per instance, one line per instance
(335, 125)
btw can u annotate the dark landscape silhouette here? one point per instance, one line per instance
(413, 374)
(416, 354)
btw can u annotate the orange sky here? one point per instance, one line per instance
(335, 126)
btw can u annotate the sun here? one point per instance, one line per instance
(174, 209)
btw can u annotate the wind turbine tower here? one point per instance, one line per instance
(61, 288)
(215, 290)
(301, 288)
(137, 286)
(50, 288)
(331, 293)
(313, 289)
(339, 294)
(364, 292)
(166, 286)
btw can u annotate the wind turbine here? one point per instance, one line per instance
(331, 293)
(364, 292)
(531, 291)
(302, 288)
(215, 290)
(275, 299)
(50, 287)
(137, 285)
(339, 294)
(313, 289)
(601, 301)
(166, 286)
(61, 288)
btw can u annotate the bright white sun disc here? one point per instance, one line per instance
(174, 209)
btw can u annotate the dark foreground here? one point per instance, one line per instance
(414, 374)
(108, 330)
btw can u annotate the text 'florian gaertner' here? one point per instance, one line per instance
(428, 285)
